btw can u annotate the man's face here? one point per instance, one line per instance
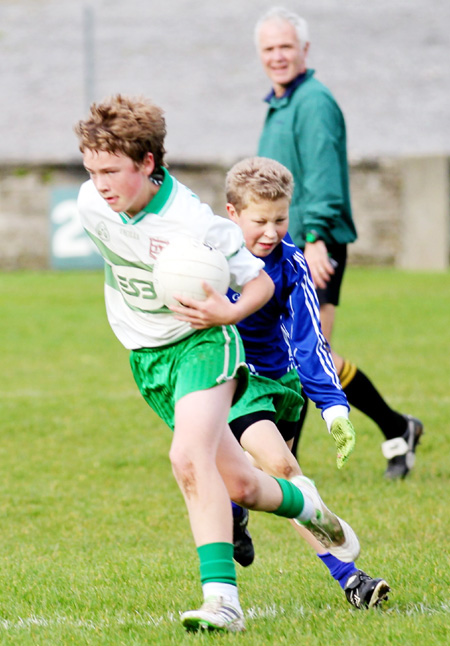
(282, 56)
(264, 224)
(123, 185)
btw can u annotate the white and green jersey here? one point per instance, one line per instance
(130, 247)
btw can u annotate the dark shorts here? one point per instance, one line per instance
(338, 257)
(286, 428)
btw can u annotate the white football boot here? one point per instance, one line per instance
(333, 533)
(214, 614)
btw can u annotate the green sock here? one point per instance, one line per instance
(293, 501)
(216, 563)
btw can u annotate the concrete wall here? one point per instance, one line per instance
(425, 219)
(401, 209)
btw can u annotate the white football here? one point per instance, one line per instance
(184, 265)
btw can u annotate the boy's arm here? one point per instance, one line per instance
(312, 358)
(309, 348)
(218, 310)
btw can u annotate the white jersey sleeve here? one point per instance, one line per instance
(227, 236)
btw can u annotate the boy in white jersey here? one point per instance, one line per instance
(189, 372)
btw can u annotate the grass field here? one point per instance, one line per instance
(95, 543)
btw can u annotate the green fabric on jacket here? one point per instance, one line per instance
(306, 133)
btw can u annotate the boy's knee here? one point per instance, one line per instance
(245, 493)
(285, 468)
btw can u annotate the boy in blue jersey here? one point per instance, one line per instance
(283, 342)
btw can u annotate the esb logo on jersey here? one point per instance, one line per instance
(156, 246)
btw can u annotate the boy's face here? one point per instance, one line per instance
(124, 186)
(264, 224)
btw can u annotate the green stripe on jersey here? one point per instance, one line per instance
(113, 258)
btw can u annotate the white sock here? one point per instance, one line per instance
(225, 590)
(308, 510)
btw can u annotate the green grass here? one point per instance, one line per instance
(95, 543)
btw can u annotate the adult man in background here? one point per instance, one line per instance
(305, 130)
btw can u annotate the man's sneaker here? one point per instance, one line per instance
(332, 532)
(244, 552)
(364, 592)
(400, 451)
(215, 614)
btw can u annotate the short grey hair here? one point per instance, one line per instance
(279, 13)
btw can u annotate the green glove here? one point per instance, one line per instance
(344, 435)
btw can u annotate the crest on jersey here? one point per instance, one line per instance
(156, 246)
(102, 231)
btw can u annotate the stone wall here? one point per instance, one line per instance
(25, 195)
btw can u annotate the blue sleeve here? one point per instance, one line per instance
(309, 348)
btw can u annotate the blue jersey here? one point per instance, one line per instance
(285, 333)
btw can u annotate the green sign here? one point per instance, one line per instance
(70, 246)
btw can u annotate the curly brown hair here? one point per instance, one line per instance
(133, 126)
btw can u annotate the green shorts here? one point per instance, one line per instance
(203, 360)
(281, 397)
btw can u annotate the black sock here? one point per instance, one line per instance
(362, 394)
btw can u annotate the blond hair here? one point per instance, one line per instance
(133, 126)
(255, 179)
